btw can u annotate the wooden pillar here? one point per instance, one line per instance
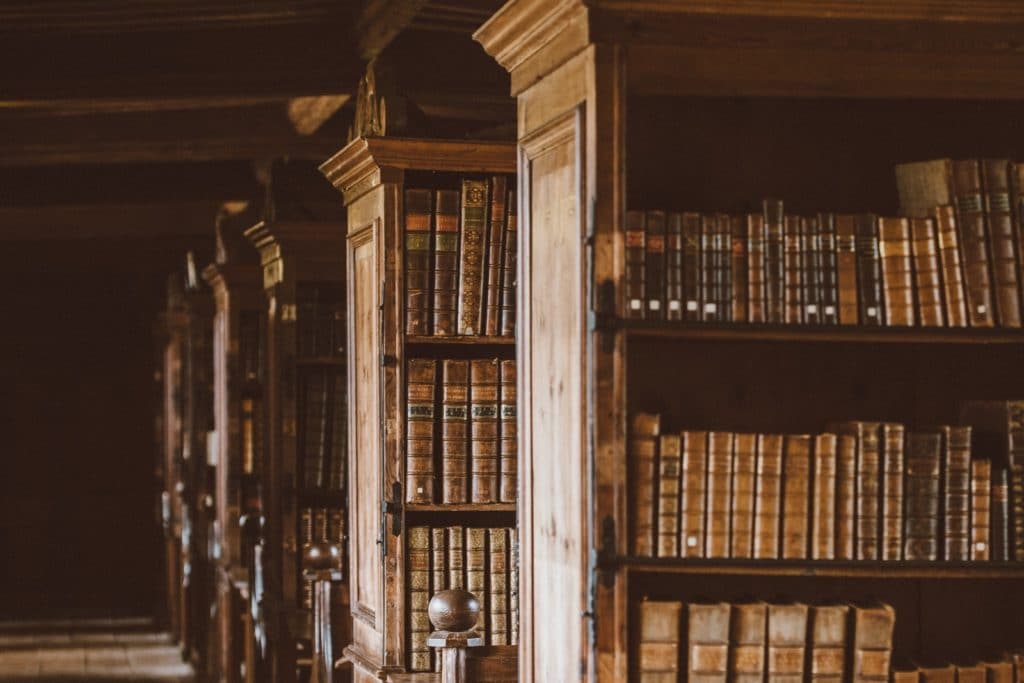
(454, 614)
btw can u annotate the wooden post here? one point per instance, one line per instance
(322, 565)
(454, 615)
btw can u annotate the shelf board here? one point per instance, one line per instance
(324, 497)
(461, 507)
(643, 329)
(321, 361)
(867, 569)
(474, 340)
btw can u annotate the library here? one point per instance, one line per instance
(466, 341)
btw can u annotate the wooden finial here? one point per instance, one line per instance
(454, 610)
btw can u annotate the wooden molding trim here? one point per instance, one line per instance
(522, 28)
(227, 276)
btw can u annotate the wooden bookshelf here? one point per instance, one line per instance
(710, 107)
(372, 174)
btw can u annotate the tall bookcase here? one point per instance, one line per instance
(706, 107)
(373, 175)
(304, 367)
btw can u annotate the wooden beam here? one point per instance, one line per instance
(380, 21)
(127, 221)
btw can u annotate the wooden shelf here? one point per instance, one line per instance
(321, 497)
(321, 361)
(828, 568)
(476, 340)
(461, 507)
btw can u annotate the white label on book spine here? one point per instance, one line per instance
(830, 310)
(981, 309)
(691, 305)
(709, 308)
(812, 309)
(674, 305)
(872, 312)
(636, 304)
(654, 305)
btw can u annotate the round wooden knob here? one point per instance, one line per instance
(454, 610)
(320, 556)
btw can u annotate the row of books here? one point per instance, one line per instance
(460, 259)
(320, 524)
(1010, 669)
(754, 642)
(323, 420)
(953, 259)
(461, 431)
(862, 491)
(320, 320)
(483, 561)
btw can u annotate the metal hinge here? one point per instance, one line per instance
(392, 508)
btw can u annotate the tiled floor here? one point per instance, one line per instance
(89, 651)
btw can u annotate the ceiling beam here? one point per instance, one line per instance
(380, 21)
(87, 222)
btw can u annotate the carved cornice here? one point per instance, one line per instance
(523, 27)
(228, 276)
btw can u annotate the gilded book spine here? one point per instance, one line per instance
(495, 230)
(927, 272)
(846, 270)
(446, 262)
(636, 265)
(774, 261)
(810, 248)
(454, 431)
(508, 269)
(739, 270)
(892, 491)
(669, 456)
(709, 270)
(691, 504)
(796, 477)
(981, 509)
(957, 492)
(419, 430)
(509, 459)
(1001, 240)
(924, 456)
(418, 211)
(654, 266)
(692, 277)
(419, 596)
(472, 255)
(719, 494)
(823, 514)
(497, 587)
(674, 302)
(483, 430)
(829, 269)
(755, 268)
(846, 496)
(794, 270)
(643, 451)
(768, 506)
(948, 240)
(476, 572)
(869, 270)
(897, 270)
(970, 210)
(744, 474)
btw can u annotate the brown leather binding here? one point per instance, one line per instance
(419, 430)
(846, 269)
(510, 248)
(774, 261)
(981, 508)
(738, 270)
(496, 218)
(674, 303)
(446, 262)
(810, 252)
(719, 493)
(747, 642)
(708, 642)
(692, 277)
(927, 272)
(823, 510)
(768, 506)
(787, 642)
(744, 473)
(1001, 241)
(669, 461)
(957, 492)
(793, 271)
(872, 642)
(660, 625)
(846, 496)
(654, 266)
(828, 627)
(507, 412)
(497, 586)
(923, 465)
(418, 210)
(970, 209)
(947, 237)
(897, 271)
(796, 480)
(483, 430)
(456, 557)
(454, 431)
(472, 256)
(755, 268)
(892, 490)
(476, 571)
(418, 577)
(867, 486)
(634, 277)
(710, 277)
(643, 447)
(691, 504)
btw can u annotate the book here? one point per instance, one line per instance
(446, 262)
(999, 672)
(938, 674)
(710, 272)
(738, 268)
(509, 485)
(768, 506)
(419, 430)
(472, 256)
(829, 268)
(723, 267)
(923, 466)
(796, 478)
(846, 269)
(692, 277)
(707, 651)
(897, 270)
(674, 302)
(635, 275)
(691, 502)
(974, 673)
(659, 653)
(483, 430)
(869, 270)
(744, 474)
(654, 265)
(906, 675)
(497, 587)
(418, 576)
(643, 451)
(454, 431)
(949, 260)
(747, 642)
(513, 586)
(476, 572)
(755, 268)
(927, 272)
(828, 640)
(956, 492)
(456, 558)
(438, 573)
(892, 491)
(793, 270)
(787, 642)
(418, 212)
(981, 478)
(999, 499)
(867, 486)
(872, 642)
(496, 218)
(810, 249)
(719, 494)
(969, 202)
(995, 177)
(508, 268)
(846, 496)
(669, 461)
(823, 512)
(774, 262)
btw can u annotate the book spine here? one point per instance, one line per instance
(483, 430)
(787, 642)
(643, 455)
(846, 496)
(456, 557)
(829, 271)
(454, 431)
(692, 277)
(796, 478)
(635, 275)
(957, 493)
(924, 455)
(793, 276)
(744, 473)
(946, 236)
(869, 270)
(509, 486)
(719, 494)
(723, 262)
(707, 654)
(497, 587)
(828, 636)
(747, 635)
(674, 302)
(660, 635)
(513, 586)
(970, 215)
(472, 256)
(446, 262)
(981, 509)
(927, 272)
(508, 268)
(892, 491)
(654, 266)
(495, 230)
(768, 506)
(872, 643)
(1000, 505)
(810, 246)
(709, 271)
(1015, 447)
(897, 271)
(691, 503)
(868, 492)
(476, 573)
(755, 269)
(774, 261)
(823, 514)
(669, 459)
(739, 270)
(438, 573)
(418, 211)
(847, 291)
(1001, 240)
(419, 430)
(419, 596)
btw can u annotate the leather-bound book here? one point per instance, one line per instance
(496, 218)
(454, 431)
(1000, 516)
(867, 486)
(768, 506)
(829, 624)
(497, 586)
(995, 177)
(927, 272)
(418, 575)
(513, 586)
(691, 501)
(419, 430)
(872, 642)
(774, 260)
(709, 268)
(794, 271)
(669, 460)
(999, 672)
(953, 293)
(923, 465)
(635, 277)
(981, 509)
(956, 492)
(723, 260)
(660, 635)
(739, 270)
(476, 572)
(674, 302)
(846, 497)
(509, 484)
(907, 675)
(846, 269)
(823, 511)
(438, 560)
(755, 268)
(719, 495)
(643, 452)
(692, 262)
(744, 473)
(508, 269)
(810, 248)
(974, 673)
(787, 643)
(869, 270)
(654, 265)
(483, 430)
(796, 478)
(418, 210)
(707, 651)
(472, 256)
(456, 557)
(446, 262)
(829, 268)
(897, 271)
(747, 636)
(892, 491)
(938, 674)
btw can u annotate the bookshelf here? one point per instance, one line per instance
(303, 371)
(710, 107)
(373, 175)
